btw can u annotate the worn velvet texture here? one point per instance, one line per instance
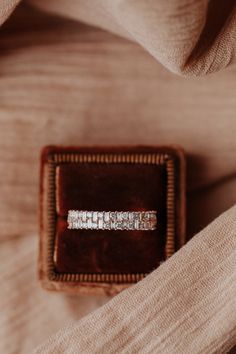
(112, 187)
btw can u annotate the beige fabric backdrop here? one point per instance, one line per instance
(62, 82)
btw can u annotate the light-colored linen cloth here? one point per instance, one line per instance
(64, 83)
(187, 305)
(188, 37)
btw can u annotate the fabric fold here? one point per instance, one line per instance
(188, 305)
(190, 38)
(6, 8)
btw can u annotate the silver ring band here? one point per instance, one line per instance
(112, 220)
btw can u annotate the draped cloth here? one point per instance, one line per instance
(187, 37)
(64, 82)
(188, 305)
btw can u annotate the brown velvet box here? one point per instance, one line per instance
(108, 179)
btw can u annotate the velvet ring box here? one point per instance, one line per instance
(108, 179)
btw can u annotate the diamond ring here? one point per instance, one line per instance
(112, 220)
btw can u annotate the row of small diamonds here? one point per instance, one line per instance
(112, 220)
